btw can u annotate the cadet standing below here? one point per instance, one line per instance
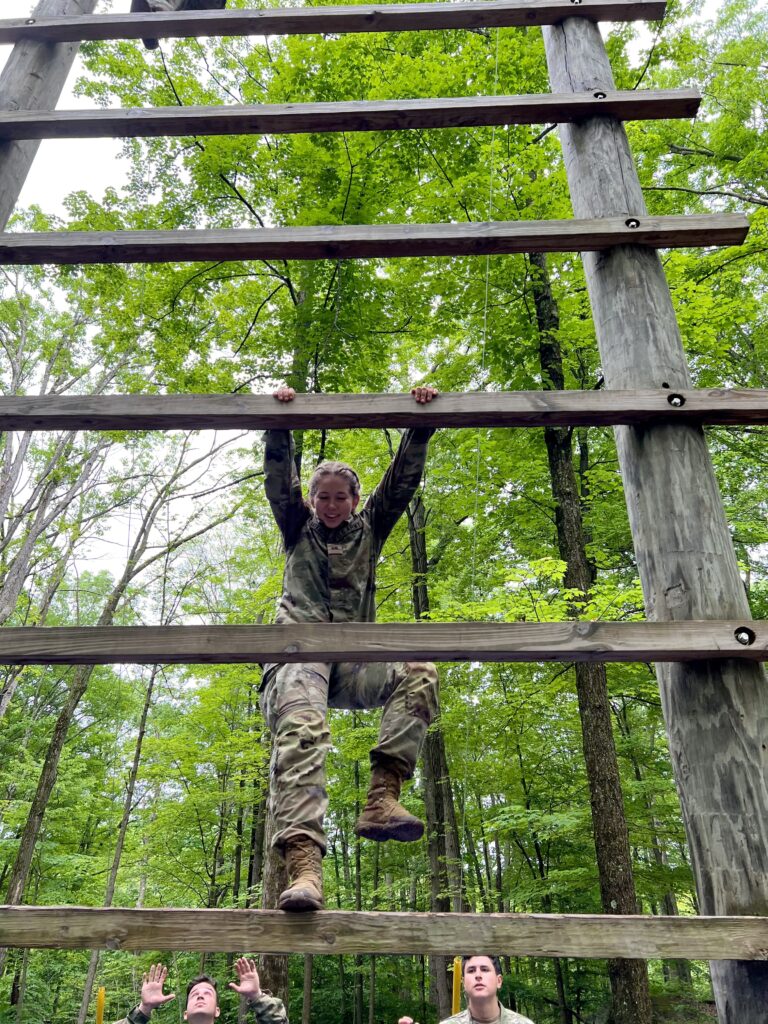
(482, 981)
(202, 1006)
(331, 551)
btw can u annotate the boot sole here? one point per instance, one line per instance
(298, 903)
(403, 832)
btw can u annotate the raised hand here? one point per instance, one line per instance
(247, 978)
(422, 396)
(152, 994)
(284, 393)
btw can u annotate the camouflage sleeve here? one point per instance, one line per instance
(282, 484)
(268, 1009)
(202, 5)
(135, 1016)
(399, 483)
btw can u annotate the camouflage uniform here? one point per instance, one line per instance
(330, 577)
(159, 6)
(145, 6)
(266, 1009)
(507, 1017)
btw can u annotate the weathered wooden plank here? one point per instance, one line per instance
(715, 712)
(33, 79)
(342, 18)
(363, 641)
(336, 932)
(360, 241)
(474, 409)
(356, 116)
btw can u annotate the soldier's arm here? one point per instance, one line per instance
(398, 485)
(266, 1009)
(281, 481)
(134, 1017)
(263, 1007)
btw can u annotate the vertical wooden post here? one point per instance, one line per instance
(32, 80)
(715, 712)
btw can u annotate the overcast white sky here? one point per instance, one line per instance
(64, 166)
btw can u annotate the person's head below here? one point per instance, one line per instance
(202, 1000)
(334, 493)
(482, 977)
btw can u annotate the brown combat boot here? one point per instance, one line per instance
(383, 817)
(304, 860)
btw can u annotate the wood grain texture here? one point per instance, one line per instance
(364, 641)
(362, 241)
(475, 409)
(358, 116)
(337, 932)
(714, 710)
(33, 79)
(350, 18)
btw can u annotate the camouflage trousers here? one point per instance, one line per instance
(295, 699)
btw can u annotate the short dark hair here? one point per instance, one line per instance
(199, 981)
(471, 956)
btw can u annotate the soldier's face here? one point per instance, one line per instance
(334, 502)
(480, 978)
(202, 1004)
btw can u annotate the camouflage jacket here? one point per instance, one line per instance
(330, 575)
(507, 1017)
(266, 1009)
(145, 6)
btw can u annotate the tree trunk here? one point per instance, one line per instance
(258, 825)
(442, 833)
(122, 830)
(273, 969)
(629, 978)
(306, 1006)
(374, 906)
(714, 710)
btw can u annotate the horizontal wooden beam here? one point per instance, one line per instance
(337, 932)
(357, 116)
(474, 409)
(343, 18)
(362, 241)
(363, 641)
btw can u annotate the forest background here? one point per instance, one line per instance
(147, 786)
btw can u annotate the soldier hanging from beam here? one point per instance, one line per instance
(330, 566)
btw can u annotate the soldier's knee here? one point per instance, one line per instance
(421, 690)
(301, 735)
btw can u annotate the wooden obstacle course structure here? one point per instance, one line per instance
(649, 392)
(355, 116)
(569, 641)
(724, 406)
(334, 932)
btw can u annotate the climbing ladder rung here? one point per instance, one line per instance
(343, 18)
(474, 409)
(344, 932)
(356, 116)
(364, 641)
(372, 240)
